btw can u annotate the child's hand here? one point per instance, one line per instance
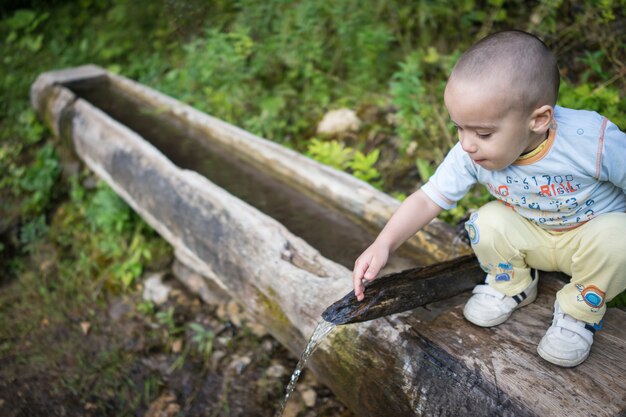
(367, 267)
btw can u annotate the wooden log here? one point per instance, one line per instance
(429, 361)
(433, 362)
(364, 203)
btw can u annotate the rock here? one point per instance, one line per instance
(293, 407)
(85, 326)
(309, 396)
(177, 345)
(90, 407)
(239, 363)
(172, 409)
(221, 313)
(268, 345)
(154, 290)
(164, 406)
(339, 121)
(276, 371)
(234, 313)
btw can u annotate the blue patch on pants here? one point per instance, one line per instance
(503, 277)
(472, 229)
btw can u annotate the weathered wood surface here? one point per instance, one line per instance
(427, 362)
(433, 362)
(364, 202)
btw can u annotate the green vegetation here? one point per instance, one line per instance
(272, 67)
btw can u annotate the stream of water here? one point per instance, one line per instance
(321, 331)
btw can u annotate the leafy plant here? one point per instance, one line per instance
(39, 179)
(23, 27)
(407, 92)
(166, 319)
(424, 169)
(33, 231)
(203, 338)
(362, 167)
(107, 212)
(332, 153)
(586, 96)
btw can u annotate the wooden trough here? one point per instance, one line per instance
(428, 361)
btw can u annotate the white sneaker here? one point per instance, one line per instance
(489, 307)
(568, 340)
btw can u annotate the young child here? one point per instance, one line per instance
(559, 179)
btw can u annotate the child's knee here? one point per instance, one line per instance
(488, 225)
(606, 236)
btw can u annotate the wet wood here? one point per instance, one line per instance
(402, 291)
(428, 361)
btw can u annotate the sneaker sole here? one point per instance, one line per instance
(499, 320)
(561, 362)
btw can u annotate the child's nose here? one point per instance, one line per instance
(467, 143)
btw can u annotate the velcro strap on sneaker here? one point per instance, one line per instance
(489, 290)
(577, 328)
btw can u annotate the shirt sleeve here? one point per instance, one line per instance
(613, 162)
(452, 179)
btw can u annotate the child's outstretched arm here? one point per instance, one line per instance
(413, 214)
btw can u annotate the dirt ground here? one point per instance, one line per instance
(126, 357)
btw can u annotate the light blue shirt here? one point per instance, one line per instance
(578, 175)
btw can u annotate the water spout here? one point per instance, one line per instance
(406, 290)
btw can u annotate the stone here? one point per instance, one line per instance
(293, 407)
(177, 345)
(339, 121)
(85, 326)
(164, 406)
(239, 363)
(154, 290)
(234, 313)
(276, 371)
(309, 396)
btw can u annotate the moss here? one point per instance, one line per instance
(274, 311)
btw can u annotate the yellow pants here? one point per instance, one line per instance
(593, 255)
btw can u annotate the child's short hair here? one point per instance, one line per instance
(526, 65)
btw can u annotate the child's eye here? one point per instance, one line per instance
(483, 135)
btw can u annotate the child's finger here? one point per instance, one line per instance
(357, 279)
(373, 269)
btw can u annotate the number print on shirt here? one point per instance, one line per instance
(557, 194)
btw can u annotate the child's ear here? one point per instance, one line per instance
(541, 119)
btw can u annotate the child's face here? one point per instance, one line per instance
(493, 134)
